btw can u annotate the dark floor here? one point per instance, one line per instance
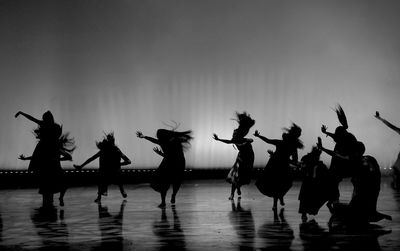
(203, 219)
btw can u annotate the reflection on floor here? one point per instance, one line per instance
(203, 219)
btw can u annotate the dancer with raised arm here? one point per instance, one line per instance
(172, 145)
(111, 159)
(53, 146)
(396, 165)
(313, 189)
(366, 180)
(240, 173)
(344, 144)
(276, 179)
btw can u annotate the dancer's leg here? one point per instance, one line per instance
(175, 189)
(233, 188)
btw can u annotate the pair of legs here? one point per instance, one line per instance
(281, 201)
(175, 189)
(235, 187)
(102, 190)
(61, 198)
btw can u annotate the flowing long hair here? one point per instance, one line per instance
(245, 123)
(108, 141)
(50, 131)
(175, 137)
(292, 135)
(341, 116)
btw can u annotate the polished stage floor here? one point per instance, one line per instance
(203, 219)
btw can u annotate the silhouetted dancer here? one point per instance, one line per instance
(171, 169)
(111, 159)
(313, 192)
(53, 146)
(344, 142)
(396, 165)
(366, 180)
(276, 178)
(240, 173)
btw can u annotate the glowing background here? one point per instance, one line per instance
(130, 65)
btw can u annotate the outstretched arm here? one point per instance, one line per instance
(387, 123)
(139, 134)
(265, 139)
(37, 121)
(324, 130)
(88, 161)
(23, 157)
(330, 152)
(226, 141)
(231, 141)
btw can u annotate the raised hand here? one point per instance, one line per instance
(139, 134)
(377, 115)
(256, 133)
(17, 114)
(22, 157)
(215, 136)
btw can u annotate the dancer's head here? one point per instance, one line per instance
(48, 129)
(107, 142)
(312, 157)
(293, 134)
(245, 123)
(174, 137)
(48, 118)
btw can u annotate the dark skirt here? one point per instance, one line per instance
(313, 195)
(275, 180)
(170, 172)
(240, 173)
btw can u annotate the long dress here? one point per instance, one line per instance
(240, 173)
(171, 169)
(366, 187)
(276, 178)
(341, 168)
(109, 168)
(45, 162)
(313, 194)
